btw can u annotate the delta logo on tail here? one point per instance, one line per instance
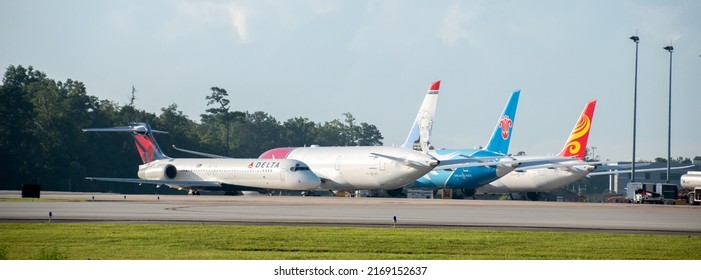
(505, 123)
(576, 145)
(146, 146)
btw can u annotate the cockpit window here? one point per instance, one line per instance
(298, 167)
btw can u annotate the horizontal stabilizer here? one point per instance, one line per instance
(135, 129)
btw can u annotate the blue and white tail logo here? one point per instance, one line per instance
(420, 133)
(502, 133)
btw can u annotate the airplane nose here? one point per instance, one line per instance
(433, 162)
(310, 182)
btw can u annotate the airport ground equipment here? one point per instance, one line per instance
(691, 181)
(653, 193)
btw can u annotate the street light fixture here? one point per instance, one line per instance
(635, 39)
(669, 109)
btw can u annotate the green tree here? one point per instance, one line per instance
(331, 133)
(298, 132)
(368, 135)
(258, 133)
(182, 131)
(16, 135)
(219, 116)
(41, 139)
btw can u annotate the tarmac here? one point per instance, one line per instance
(352, 211)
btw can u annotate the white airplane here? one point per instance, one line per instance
(379, 167)
(212, 174)
(361, 167)
(466, 178)
(534, 179)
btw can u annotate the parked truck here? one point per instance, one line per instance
(691, 182)
(654, 193)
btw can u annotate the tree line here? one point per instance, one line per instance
(41, 141)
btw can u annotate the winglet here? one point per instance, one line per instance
(420, 132)
(576, 145)
(502, 132)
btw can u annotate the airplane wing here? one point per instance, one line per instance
(158, 182)
(463, 163)
(514, 162)
(606, 170)
(554, 163)
(198, 153)
(404, 161)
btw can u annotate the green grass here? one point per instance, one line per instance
(27, 241)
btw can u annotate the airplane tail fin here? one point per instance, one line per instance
(420, 132)
(502, 133)
(146, 144)
(576, 145)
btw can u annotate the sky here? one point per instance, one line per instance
(375, 59)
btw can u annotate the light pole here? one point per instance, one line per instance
(669, 109)
(635, 39)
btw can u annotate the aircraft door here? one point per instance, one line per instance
(338, 162)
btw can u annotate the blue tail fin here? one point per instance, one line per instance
(502, 133)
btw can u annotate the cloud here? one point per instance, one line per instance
(455, 25)
(236, 15)
(239, 18)
(320, 7)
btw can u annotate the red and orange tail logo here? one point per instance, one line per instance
(146, 146)
(577, 143)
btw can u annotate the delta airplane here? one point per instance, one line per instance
(466, 178)
(361, 167)
(212, 174)
(536, 179)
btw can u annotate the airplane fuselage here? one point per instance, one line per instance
(537, 180)
(462, 177)
(359, 167)
(281, 174)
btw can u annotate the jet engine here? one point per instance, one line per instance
(158, 172)
(534, 196)
(469, 192)
(399, 192)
